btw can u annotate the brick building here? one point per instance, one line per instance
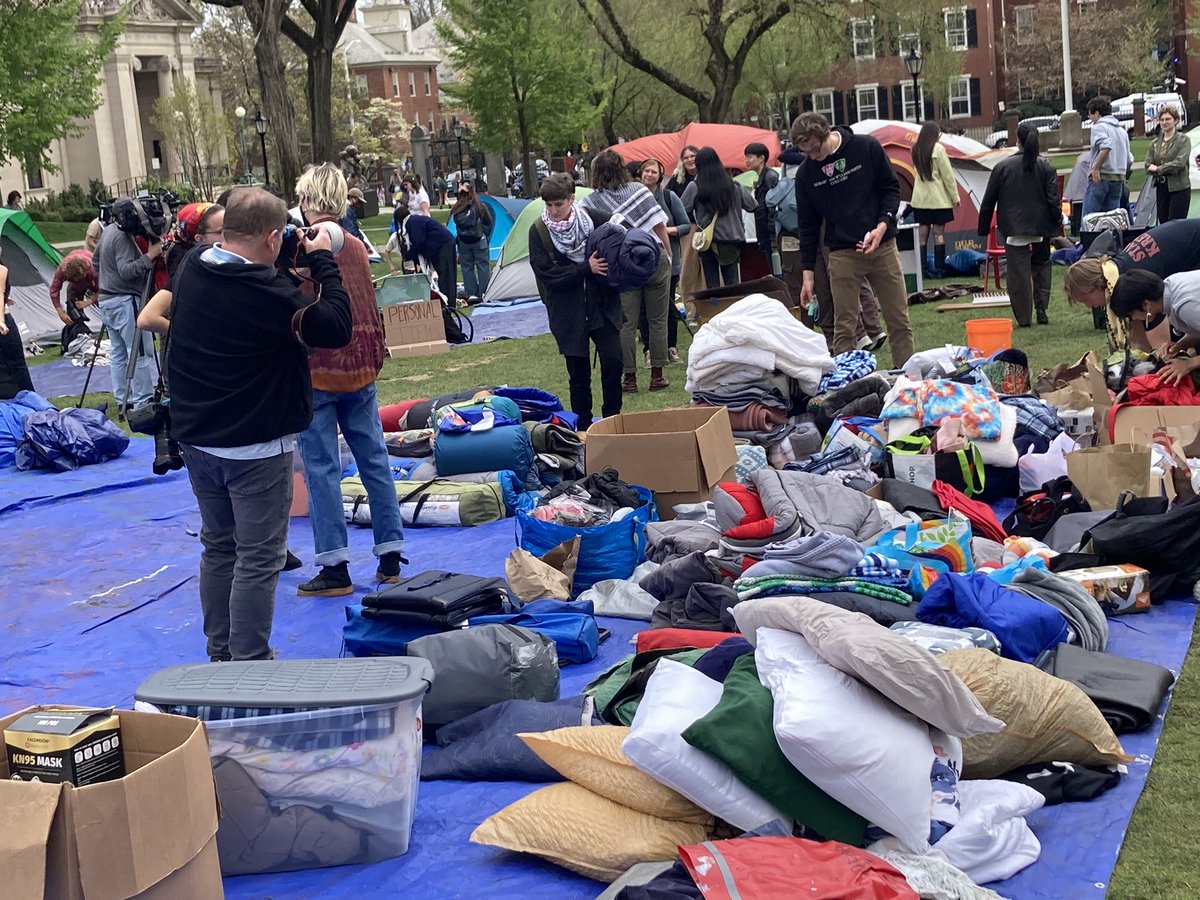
(383, 62)
(871, 80)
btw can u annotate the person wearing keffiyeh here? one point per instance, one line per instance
(581, 307)
(615, 194)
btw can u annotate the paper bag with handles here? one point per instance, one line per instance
(546, 578)
(1078, 386)
(1102, 473)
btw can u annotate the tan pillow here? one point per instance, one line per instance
(584, 832)
(904, 672)
(591, 756)
(1048, 718)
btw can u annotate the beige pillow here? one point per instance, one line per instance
(591, 757)
(904, 672)
(1048, 718)
(584, 832)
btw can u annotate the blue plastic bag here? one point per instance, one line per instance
(66, 439)
(606, 551)
(12, 418)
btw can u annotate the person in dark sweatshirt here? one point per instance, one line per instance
(847, 184)
(241, 391)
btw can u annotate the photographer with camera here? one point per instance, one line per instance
(123, 272)
(344, 397)
(241, 391)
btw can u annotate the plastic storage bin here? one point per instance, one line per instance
(317, 762)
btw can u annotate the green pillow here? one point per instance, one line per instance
(617, 691)
(739, 732)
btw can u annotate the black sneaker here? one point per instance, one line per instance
(292, 562)
(333, 581)
(224, 657)
(389, 568)
(1042, 318)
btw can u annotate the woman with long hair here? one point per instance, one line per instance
(418, 199)
(473, 223)
(1167, 166)
(716, 199)
(685, 171)
(14, 371)
(613, 191)
(934, 196)
(1023, 191)
(650, 173)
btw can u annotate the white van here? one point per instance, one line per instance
(1123, 109)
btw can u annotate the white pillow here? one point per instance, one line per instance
(676, 696)
(848, 739)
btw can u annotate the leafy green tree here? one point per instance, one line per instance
(49, 75)
(198, 134)
(791, 59)
(524, 82)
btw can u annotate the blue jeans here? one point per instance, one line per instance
(357, 414)
(473, 260)
(119, 316)
(1102, 197)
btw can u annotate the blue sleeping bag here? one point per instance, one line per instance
(1023, 625)
(504, 447)
(536, 405)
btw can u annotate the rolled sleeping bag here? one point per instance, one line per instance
(509, 483)
(392, 414)
(440, 502)
(504, 447)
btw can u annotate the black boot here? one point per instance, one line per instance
(332, 581)
(292, 562)
(388, 571)
(939, 260)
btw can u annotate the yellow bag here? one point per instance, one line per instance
(702, 239)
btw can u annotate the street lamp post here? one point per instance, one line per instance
(260, 125)
(240, 112)
(349, 93)
(914, 62)
(458, 136)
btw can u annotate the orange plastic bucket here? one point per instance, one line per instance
(989, 335)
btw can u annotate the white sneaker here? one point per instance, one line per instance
(865, 342)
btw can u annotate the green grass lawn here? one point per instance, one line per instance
(62, 232)
(1158, 860)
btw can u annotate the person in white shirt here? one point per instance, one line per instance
(418, 199)
(1143, 296)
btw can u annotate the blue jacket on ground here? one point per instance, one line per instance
(1025, 626)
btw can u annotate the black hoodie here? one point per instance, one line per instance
(237, 373)
(852, 190)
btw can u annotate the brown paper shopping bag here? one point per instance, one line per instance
(1102, 473)
(547, 578)
(1077, 387)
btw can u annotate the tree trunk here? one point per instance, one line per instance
(266, 17)
(320, 107)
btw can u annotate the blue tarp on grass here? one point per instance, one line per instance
(100, 592)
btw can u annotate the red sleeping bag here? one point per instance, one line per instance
(392, 414)
(672, 638)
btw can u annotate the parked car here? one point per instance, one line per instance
(1123, 109)
(998, 140)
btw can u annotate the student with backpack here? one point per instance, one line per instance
(580, 305)
(474, 223)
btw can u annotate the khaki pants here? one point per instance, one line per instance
(653, 295)
(847, 269)
(868, 306)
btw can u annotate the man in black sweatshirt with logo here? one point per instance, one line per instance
(848, 184)
(237, 366)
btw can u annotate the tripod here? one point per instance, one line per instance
(134, 352)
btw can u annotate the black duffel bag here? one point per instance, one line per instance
(1165, 544)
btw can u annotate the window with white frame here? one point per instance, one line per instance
(1087, 5)
(956, 27)
(412, 84)
(427, 89)
(960, 97)
(1024, 89)
(395, 82)
(823, 103)
(911, 103)
(1023, 17)
(866, 97)
(360, 83)
(863, 33)
(907, 41)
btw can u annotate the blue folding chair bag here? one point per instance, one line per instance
(612, 550)
(576, 635)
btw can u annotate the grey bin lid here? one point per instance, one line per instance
(291, 683)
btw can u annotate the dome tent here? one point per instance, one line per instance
(31, 262)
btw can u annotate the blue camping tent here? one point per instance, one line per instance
(505, 211)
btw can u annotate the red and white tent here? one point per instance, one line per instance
(728, 140)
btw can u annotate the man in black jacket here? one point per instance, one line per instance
(848, 184)
(757, 155)
(237, 365)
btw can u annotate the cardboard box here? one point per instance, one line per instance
(414, 328)
(149, 835)
(708, 303)
(1136, 424)
(1118, 589)
(680, 454)
(81, 746)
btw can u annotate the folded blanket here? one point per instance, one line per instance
(1128, 692)
(754, 417)
(932, 401)
(847, 367)
(1077, 605)
(771, 585)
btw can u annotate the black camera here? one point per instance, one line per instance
(291, 251)
(145, 216)
(153, 418)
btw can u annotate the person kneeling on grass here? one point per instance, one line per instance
(579, 304)
(1144, 297)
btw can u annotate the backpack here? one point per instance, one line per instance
(1037, 511)
(781, 202)
(469, 224)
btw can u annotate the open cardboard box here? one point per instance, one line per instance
(716, 300)
(680, 454)
(149, 835)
